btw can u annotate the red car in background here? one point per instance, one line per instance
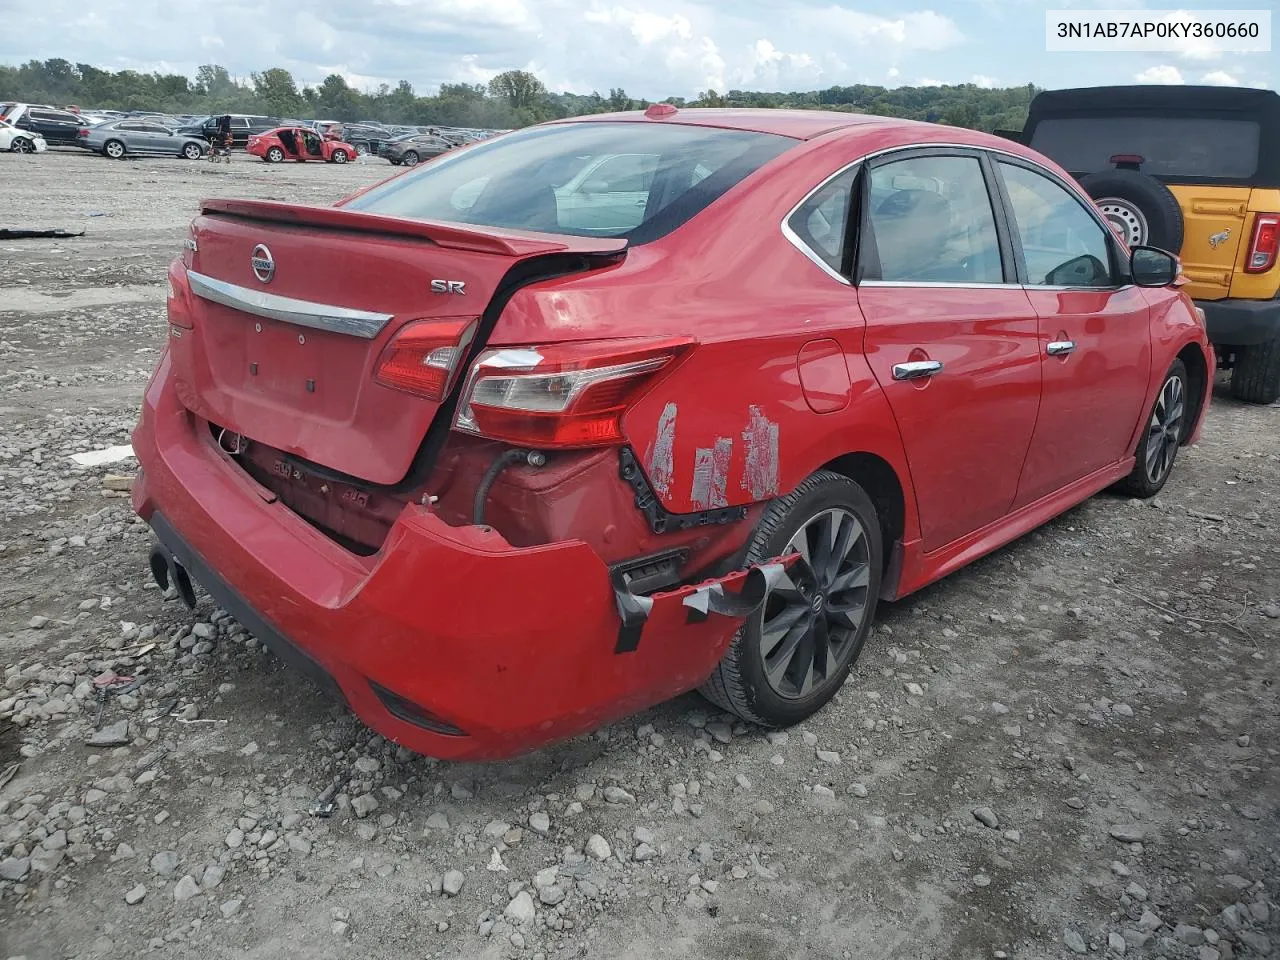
(609, 409)
(298, 143)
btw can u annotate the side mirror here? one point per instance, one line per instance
(1152, 267)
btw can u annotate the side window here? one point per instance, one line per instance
(821, 220)
(1063, 246)
(43, 116)
(131, 127)
(931, 222)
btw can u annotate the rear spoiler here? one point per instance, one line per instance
(450, 235)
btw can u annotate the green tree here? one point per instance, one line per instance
(277, 91)
(519, 88)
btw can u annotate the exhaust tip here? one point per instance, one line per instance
(171, 576)
(182, 581)
(159, 562)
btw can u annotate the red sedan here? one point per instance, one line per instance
(300, 144)
(609, 409)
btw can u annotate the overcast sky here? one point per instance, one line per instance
(651, 48)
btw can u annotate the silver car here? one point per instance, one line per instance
(139, 138)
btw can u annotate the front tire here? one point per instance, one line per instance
(411, 158)
(1255, 377)
(340, 156)
(114, 149)
(792, 655)
(192, 151)
(1162, 435)
(22, 145)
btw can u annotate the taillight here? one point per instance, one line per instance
(423, 358)
(1265, 243)
(82, 132)
(561, 395)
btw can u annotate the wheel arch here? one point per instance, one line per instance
(881, 482)
(1198, 385)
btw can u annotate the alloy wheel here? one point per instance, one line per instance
(1126, 218)
(23, 145)
(191, 151)
(814, 616)
(1164, 433)
(411, 159)
(115, 149)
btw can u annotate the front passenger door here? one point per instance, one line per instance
(950, 335)
(1095, 332)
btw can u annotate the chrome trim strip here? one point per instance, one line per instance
(804, 248)
(303, 313)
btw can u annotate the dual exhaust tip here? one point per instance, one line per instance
(171, 575)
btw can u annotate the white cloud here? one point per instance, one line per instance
(1220, 78)
(928, 82)
(982, 80)
(1161, 74)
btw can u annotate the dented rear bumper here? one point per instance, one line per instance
(448, 640)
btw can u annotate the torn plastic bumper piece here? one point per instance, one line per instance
(736, 596)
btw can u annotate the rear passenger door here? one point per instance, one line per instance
(950, 334)
(1094, 330)
(54, 125)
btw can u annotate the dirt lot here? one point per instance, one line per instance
(1069, 747)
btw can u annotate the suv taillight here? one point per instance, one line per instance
(423, 358)
(562, 395)
(1264, 244)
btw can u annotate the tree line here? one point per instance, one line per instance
(515, 98)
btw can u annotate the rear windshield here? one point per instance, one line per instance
(1192, 148)
(637, 181)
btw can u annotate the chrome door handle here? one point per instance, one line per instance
(1060, 348)
(915, 369)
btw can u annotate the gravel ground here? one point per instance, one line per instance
(1068, 748)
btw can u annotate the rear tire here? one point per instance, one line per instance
(114, 149)
(1255, 378)
(275, 155)
(833, 610)
(411, 158)
(1162, 435)
(1144, 209)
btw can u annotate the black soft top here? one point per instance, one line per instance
(1227, 103)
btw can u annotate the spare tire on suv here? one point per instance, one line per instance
(1141, 208)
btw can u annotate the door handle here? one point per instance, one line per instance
(916, 369)
(1060, 348)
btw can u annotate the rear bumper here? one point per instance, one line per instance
(511, 647)
(1241, 323)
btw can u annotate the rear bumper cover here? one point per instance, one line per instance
(1241, 323)
(513, 647)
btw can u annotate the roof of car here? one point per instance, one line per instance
(800, 124)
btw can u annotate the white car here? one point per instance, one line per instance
(20, 141)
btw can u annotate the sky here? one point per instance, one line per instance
(650, 48)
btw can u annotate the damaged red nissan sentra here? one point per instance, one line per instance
(595, 413)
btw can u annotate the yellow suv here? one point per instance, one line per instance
(1196, 171)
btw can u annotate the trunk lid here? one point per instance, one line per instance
(289, 309)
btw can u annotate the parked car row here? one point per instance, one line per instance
(118, 134)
